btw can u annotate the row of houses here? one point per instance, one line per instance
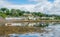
(24, 17)
(16, 21)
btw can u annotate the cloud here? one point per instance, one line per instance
(55, 9)
(22, 7)
(42, 6)
(26, 7)
(48, 7)
(3, 3)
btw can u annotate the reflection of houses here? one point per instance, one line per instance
(31, 24)
(15, 24)
(16, 21)
(20, 21)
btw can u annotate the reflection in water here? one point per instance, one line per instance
(54, 31)
(36, 24)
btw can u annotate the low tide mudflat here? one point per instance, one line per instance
(5, 30)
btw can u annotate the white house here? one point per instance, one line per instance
(14, 18)
(48, 18)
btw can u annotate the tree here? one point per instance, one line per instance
(3, 9)
(18, 12)
(3, 15)
(7, 12)
(27, 12)
(13, 12)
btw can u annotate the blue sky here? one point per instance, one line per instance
(25, 1)
(21, 2)
(45, 6)
(51, 1)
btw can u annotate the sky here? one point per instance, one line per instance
(44, 6)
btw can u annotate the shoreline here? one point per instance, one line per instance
(5, 30)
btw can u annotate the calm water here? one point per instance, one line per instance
(53, 31)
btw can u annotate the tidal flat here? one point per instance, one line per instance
(5, 30)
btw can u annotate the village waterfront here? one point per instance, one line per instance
(17, 23)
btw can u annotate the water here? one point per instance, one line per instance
(53, 31)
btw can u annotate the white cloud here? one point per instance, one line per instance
(48, 7)
(22, 7)
(6, 4)
(55, 9)
(42, 6)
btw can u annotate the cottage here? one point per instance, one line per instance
(14, 18)
(28, 16)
